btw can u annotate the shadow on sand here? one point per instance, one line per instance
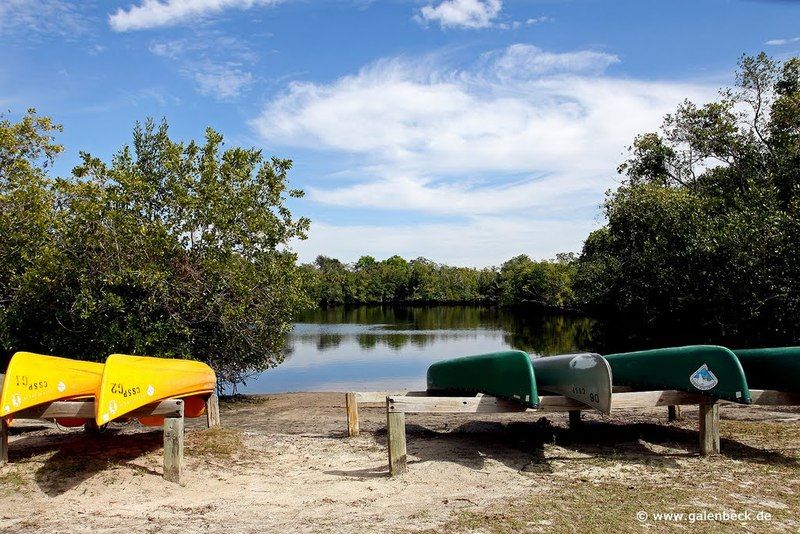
(521, 445)
(78, 456)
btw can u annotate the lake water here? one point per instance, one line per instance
(382, 348)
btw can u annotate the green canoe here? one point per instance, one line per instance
(507, 375)
(583, 377)
(775, 368)
(704, 369)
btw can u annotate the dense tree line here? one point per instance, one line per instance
(171, 249)
(704, 234)
(520, 280)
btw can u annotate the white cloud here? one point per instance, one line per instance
(530, 134)
(159, 13)
(218, 64)
(779, 42)
(538, 20)
(42, 18)
(530, 61)
(222, 81)
(470, 14)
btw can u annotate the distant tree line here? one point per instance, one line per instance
(395, 280)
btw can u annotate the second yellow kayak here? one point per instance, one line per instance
(130, 382)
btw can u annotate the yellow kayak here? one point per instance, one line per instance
(130, 382)
(33, 379)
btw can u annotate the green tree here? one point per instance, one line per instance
(172, 249)
(703, 232)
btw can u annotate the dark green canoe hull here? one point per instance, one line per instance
(704, 369)
(507, 375)
(583, 377)
(773, 368)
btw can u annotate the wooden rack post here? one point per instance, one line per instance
(3, 441)
(396, 439)
(212, 411)
(674, 413)
(173, 447)
(709, 429)
(3, 432)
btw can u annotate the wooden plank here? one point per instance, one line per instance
(483, 404)
(379, 397)
(351, 406)
(396, 437)
(173, 448)
(768, 397)
(212, 411)
(85, 410)
(549, 403)
(709, 429)
(3, 441)
(674, 413)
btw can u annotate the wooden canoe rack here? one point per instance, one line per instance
(171, 410)
(398, 404)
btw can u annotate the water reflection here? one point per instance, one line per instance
(376, 347)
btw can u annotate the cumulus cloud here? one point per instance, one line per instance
(522, 131)
(159, 13)
(780, 42)
(469, 14)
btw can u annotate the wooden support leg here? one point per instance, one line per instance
(173, 448)
(212, 411)
(396, 430)
(674, 414)
(709, 429)
(3, 441)
(575, 419)
(352, 414)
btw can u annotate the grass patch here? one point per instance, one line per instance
(243, 399)
(218, 442)
(11, 482)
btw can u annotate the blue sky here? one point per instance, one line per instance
(465, 131)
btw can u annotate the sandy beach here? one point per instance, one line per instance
(283, 463)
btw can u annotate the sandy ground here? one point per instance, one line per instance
(284, 463)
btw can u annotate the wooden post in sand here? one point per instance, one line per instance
(674, 413)
(173, 447)
(351, 403)
(574, 419)
(3, 442)
(396, 438)
(709, 429)
(3, 431)
(212, 411)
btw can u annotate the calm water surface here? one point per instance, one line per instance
(376, 348)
